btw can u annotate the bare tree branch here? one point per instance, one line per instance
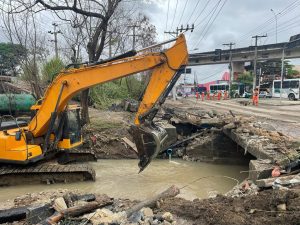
(73, 8)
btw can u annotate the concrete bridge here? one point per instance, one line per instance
(247, 54)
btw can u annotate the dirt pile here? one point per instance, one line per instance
(268, 207)
(105, 132)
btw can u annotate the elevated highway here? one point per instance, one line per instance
(247, 54)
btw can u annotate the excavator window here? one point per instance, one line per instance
(72, 128)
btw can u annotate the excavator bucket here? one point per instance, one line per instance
(150, 141)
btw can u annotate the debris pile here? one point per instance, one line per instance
(74, 208)
(215, 136)
(246, 188)
(129, 105)
(62, 207)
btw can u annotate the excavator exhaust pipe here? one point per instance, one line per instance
(150, 141)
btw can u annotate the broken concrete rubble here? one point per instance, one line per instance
(247, 135)
(102, 210)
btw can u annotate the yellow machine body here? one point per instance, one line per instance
(17, 151)
(46, 131)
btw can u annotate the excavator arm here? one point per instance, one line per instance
(165, 68)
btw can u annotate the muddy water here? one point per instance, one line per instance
(119, 178)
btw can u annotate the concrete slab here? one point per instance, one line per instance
(260, 169)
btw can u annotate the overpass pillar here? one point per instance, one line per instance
(237, 68)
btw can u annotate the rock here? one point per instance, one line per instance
(281, 207)
(136, 217)
(147, 221)
(155, 222)
(166, 223)
(252, 211)
(59, 204)
(105, 216)
(157, 204)
(147, 212)
(168, 217)
(245, 130)
(211, 114)
(229, 126)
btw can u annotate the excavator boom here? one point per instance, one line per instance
(46, 130)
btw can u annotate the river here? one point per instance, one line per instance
(120, 178)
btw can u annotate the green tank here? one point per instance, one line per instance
(16, 102)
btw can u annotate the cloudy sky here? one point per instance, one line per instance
(217, 22)
(222, 21)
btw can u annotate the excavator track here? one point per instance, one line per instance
(75, 155)
(47, 173)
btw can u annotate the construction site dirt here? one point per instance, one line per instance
(210, 148)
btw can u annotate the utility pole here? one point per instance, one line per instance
(255, 80)
(109, 44)
(187, 28)
(275, 15)
(110, 41)
(172, 33)
(180, 30)
(230, 44)
(55, 32)
(133, 35)
(175, 34)
(282, 70)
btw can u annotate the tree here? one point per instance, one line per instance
(245, 78)
(25, 33)
(11, 56)
(96, 15)
(51, 69)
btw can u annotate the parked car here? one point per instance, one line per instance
(265, 94)
(247, 95)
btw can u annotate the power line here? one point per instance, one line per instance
(205, 17)
(213, 20)
(206, 4)
(167, 14)
(284, 29)
(269, 21)
(262, 26)
(212, 75)
(209, 25)
(193, 11)
(174, 14)
(182, 12)
(282, 25)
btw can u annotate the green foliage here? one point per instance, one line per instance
(51, 69)
(291, 73)
(11, 56)
(245, 78)
(28, 71)
(105, 94)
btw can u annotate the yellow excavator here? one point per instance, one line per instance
(55, 126)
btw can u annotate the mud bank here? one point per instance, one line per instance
(267, 207)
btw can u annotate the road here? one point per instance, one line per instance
(284, 116)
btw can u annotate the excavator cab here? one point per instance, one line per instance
(71, 128)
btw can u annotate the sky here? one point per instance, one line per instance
(217, 22)
(237, 21)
